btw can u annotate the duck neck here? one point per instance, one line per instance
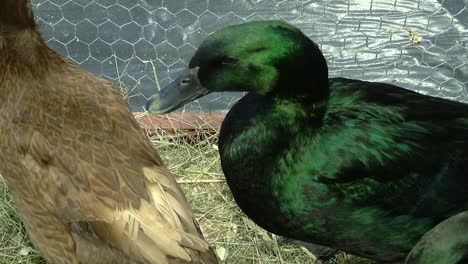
(21, 44)
(18, 30)
(24, 57)
(15, 15)
(303, 74)
(303, 85)
(299, 107)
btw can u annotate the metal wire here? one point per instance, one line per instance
(418, 44)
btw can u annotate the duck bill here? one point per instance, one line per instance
(184, 89)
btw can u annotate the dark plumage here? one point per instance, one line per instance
(364, 167)
(88, 185)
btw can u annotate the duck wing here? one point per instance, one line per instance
(395, 147)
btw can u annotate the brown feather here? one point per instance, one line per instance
(88, 185)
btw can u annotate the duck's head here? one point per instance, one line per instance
(270, 58)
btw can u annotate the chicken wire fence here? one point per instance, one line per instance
(137, 44)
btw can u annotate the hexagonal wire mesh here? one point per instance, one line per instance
(133, 43)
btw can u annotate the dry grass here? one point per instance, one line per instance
(193, 158)
(14, 242)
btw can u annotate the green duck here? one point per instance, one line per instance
(364, 167)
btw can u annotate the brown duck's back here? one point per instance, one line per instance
(88, 184)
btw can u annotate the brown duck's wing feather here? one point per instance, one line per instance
(146, 233)
(107, 182)
(152, 230)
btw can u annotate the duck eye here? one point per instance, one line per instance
(185, 81)
(229, 61)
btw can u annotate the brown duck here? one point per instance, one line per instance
(88, 185)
